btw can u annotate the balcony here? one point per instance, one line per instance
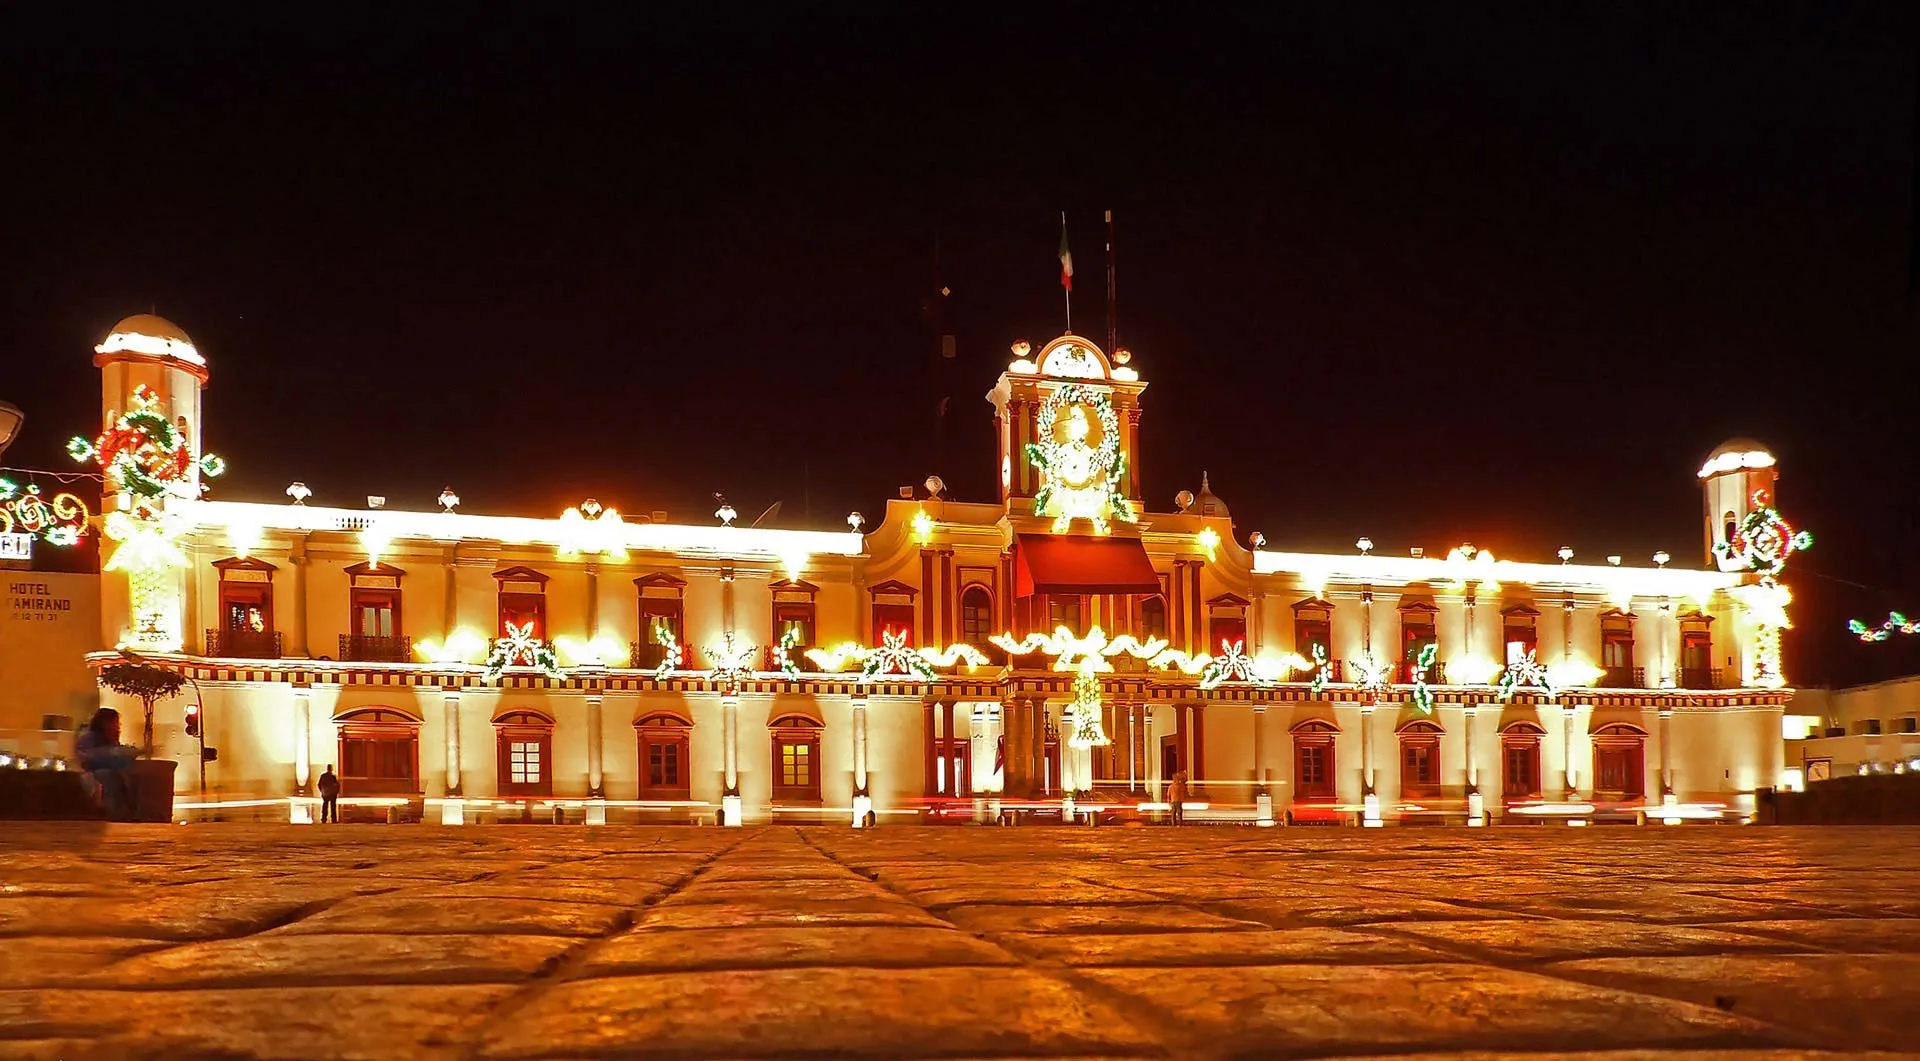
(243, 644)
(1699, 678)
(367, 648)
(1624, 678)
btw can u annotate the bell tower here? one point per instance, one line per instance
(1733, 471)
(1067, 423)
(151, 378)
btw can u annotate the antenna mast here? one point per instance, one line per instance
(1113, 309)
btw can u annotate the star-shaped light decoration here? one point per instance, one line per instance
(1896, 624)
(1526, 671)
(1233, 665)
(732, 664)
(521, 649)
(1373, 677)
(895, 656)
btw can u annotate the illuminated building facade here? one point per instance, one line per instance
(1061, 644)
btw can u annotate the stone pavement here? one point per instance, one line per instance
(239, 941)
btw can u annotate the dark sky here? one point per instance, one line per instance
(1428, 272)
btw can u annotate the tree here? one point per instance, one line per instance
(149, 683)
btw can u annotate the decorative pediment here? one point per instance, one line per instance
(660, 584)
(1416, 606)
(520, 574)
(893, 588)
(363, 569)
(1313, 604)
(1521, 610)
(791, 589)
(242, 563)
(1228, 600)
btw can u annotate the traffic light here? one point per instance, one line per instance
(208, 755)
(193, 720)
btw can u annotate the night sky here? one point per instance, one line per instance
(1425, 272)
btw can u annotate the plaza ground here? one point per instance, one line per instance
(540, 941)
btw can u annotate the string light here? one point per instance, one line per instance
(1233, 665)
(672, 655)
(592, 530)
(1422, 666)
(895, 656)
(1526, 671)
(1084, 711)
(732, 664)
(60, 520)
(1896, 623)
(783, 653)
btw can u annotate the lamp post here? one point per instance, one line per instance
(11, 419)
(200, 700)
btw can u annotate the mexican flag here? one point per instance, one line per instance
(1066, 257)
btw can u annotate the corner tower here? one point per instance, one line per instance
(1068, 425)
(151, 378)
(1733, 471)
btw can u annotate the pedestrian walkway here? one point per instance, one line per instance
(540, 941)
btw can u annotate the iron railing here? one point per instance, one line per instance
(370, 648)
(244, 644)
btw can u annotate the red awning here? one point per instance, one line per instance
(1063, 563)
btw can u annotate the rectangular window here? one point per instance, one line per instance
(1519, 638)
(1522, 777)
(376, 612)
(1696, 659)
(521, 610)
(1416, 634)
(796, 765)
(1225, 630)
(1313, 770)
(1910, 724)
(663, 765)
(1869, 727)
(657, 613)
(1310, 632)
(523, 758)
(896, 619)
(1419, 766)
(1153, 618)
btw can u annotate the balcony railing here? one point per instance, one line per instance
(243, 644)
(367, 648)
(1624, 678)
(1699, 678)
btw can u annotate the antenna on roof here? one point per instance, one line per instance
(772, 511)
(1113, 309)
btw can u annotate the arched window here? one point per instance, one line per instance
(1313, 778)
(1520, 761)
(379, 752)
(1729, 527)
(1419, 760)
(796, 758)
(665, 740)
(1619, 762)
(524, 742)
(976, 622)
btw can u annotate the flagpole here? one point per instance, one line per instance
(1067, 289)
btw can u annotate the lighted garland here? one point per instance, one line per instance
(1084, 711)
(60, 520)
(1099, 472)
(1896, 623)
(784, 656)
(1527, 671)
(1318, 683)
(1422, 666)
(671, 654)
(521, 649)
(895, 656)
(1372, 677)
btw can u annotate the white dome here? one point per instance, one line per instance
(154, 336)
(1735, 454)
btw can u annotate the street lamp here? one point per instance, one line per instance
(11, 418)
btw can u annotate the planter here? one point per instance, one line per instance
(152, 783)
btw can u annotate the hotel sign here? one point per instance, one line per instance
(16, 546)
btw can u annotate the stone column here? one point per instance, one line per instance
(929, 749)
(1476, 803)
(730, 757)
(1262, 798)
(1569, 777)
(593, 602)
(1037, 746)
(1667, 794)
(1142, 742)
(1199, 770)
(949, 749)
(596, 780)
(1369, 799)
(302, 740)
(297, 556)
(452, 718)
(862, 800)
(1009, 752)
(450, 604)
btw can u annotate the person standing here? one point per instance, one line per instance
(1177, 797)
(329, 786)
